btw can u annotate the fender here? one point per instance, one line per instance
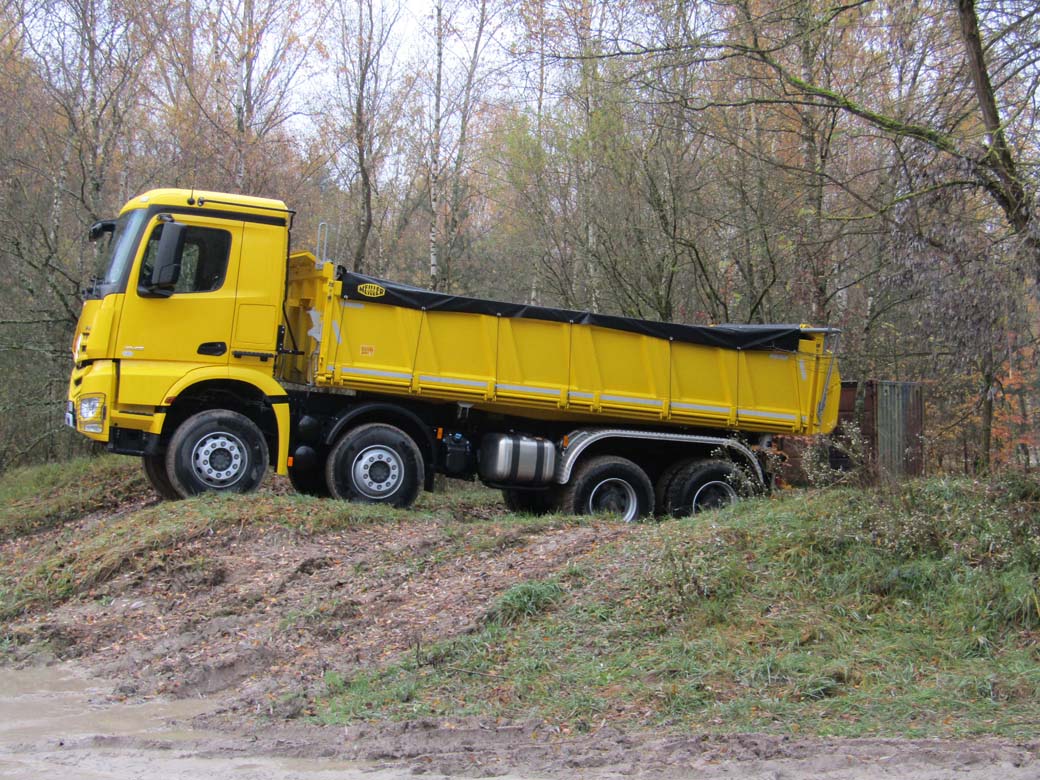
(265, 383)
(386, 412)
(580, 440)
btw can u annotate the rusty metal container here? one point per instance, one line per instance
(890, 416)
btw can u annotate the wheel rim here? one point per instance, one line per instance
(614, 496)
(714, 495)
(219, 459)
(377, 471)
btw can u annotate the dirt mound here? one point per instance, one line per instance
(257, 602)
(262, 611)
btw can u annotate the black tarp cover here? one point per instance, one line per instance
(763, 337)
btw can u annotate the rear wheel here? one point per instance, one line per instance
(216, 450)
(664, 483)
(155, 470)
(703, 485)
(376, 464)
(606, 484)
(529, 502)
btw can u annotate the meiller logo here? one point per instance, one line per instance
(370, 290)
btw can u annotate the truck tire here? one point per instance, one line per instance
(529, 502)
(607, 484)
(216, 450)
(664, 482)
(375, 464)
(309, 482)
(155, 470)
(702, 486)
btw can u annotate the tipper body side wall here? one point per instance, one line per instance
(550, 369)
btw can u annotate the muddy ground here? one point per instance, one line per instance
(59, 722)
(247, 622)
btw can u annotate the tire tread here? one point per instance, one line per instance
(405, 496)
(572, 498)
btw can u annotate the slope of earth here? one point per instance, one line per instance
(458, 637)
(909, 611)
(263, 595)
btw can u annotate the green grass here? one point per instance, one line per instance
(40, 497)
(914, 612)
(525, 600)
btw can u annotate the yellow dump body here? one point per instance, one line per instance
(357, 334)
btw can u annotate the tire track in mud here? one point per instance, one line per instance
(451, 597)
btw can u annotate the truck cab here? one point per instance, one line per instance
(187, 308)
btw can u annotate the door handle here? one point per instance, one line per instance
(214, 348)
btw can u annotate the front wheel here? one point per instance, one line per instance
(609, 485)
(375, 464)
(216, 450)
(155, 470)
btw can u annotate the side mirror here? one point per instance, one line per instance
(167, 268)
(99, 229)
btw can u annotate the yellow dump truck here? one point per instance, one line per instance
(213, 353)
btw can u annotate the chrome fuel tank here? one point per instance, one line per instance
(511, 458)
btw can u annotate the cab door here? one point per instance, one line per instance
(165, 333)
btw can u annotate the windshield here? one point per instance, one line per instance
(119, 253)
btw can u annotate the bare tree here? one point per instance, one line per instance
(369, 99)
(71, 91)
(967, 121)
(461, 36)
(237, 71)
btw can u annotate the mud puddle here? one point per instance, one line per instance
(57, 722)
(58, 704)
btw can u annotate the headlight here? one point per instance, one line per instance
(91, 407)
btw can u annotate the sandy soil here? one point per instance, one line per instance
(229, 636)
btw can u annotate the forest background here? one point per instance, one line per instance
(872, 166)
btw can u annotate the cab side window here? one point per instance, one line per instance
(204, 260)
